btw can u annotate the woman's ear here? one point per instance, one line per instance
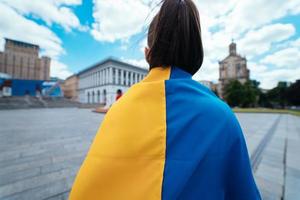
(146, 51)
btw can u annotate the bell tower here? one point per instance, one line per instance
(232, 48)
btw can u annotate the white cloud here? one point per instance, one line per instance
(58, 69)
(27, 30)
(216, 45)
(269, 77)
(51, 11)
(257, 42)
(282, 65)
(296, 43)
(208, 71)
(250, 23)
(142, 63)
(286, 58)
(67, 2)
(142, 44)
(118, 19)
(215, 8)
(251, 14)
(294, 7)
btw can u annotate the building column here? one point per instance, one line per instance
(127, 77)
(106, 75)
(97, 78)
(132, 78)
(122, 77)
(102, 79)
(119, 76)
(93, 78)
(110, 80)
(90, 80)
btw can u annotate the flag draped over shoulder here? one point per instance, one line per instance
(168, 137)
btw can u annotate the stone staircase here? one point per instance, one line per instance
(35, 102)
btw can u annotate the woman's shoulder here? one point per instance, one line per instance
(194, 95)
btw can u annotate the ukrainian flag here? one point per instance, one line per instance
(169, 138)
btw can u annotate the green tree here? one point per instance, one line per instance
(293, 94)
(263, 100)
(242, 95)
(278, 95)
(233, 93)
(251, 93)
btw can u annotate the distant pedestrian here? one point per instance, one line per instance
(119, 94)
(169, 137)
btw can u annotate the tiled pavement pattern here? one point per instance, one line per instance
(278, 170)
(42, 149)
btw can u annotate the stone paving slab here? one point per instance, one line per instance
(41, 151)
(270, 173)
(278, 172)
(292, 179)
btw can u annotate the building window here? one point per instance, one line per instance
(99, 78)
(88, 97)
(238, 66)
(133, 77)
(93, 97)
(104, 96)
(119, 77)
(114, 75)
(107, 76)
(124, 78)
(92, 75)
(104, 76)
(98, 96)
(129, 78)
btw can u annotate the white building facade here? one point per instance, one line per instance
(99, 83)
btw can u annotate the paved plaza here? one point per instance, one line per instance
(41, 151)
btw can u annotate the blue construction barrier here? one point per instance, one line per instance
(32, 87)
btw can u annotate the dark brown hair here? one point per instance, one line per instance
(174, 36)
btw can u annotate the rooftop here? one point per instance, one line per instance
(113, 60)
(21, 43)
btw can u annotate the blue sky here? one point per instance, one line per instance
(79, 33)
